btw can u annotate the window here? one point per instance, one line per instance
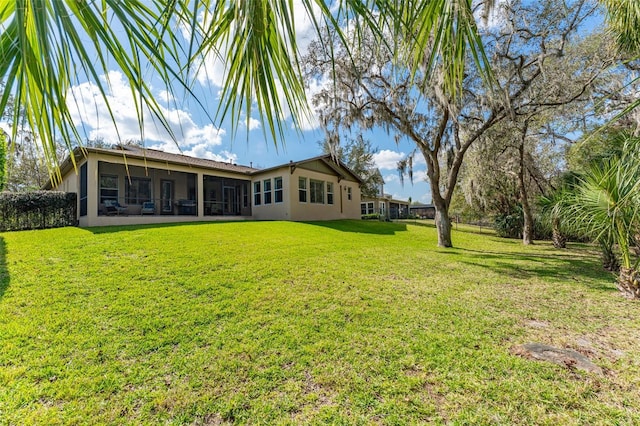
(363, 208)
(329, 193)
(267, 191)
(137, 190)
(349, 193)
(256, 193)
(245, 195)
(316, 188)
(370, 208)
(302, 190)
(108, 187)
(83, 190)
(277, 183)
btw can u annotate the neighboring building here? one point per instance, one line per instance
(423, 211)
(384, 205)
(159, 187)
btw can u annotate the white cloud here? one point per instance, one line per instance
(166, 97)
(391, 178)
(420, 176)
(426, 198)
(88, 109)
(387, 159)
(252, 123)
(201, 151)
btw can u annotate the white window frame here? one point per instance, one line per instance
(329, 189)
(266, 192)
(314, 186)
(278, 190)
(302, 190)
(257, 194)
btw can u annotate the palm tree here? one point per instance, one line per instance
(552, 206)
(47, 46)
(605, 205)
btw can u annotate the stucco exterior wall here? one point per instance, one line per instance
(342, 207)
(273, 211)
(71, 182)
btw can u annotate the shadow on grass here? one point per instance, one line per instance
(362, 226)
(4, 272)
(427, 223)
(585, 271)
(127, 228)
(463, 227)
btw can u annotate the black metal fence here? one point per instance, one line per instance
(37, 210)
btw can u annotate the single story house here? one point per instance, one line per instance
(384, 205)
(134, 185)
(423, 211)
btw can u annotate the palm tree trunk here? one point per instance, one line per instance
(559, 240)
(629, 282)
(609, 259)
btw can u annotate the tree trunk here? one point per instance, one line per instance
(559, 240)
(609, 259)
(443, 225)
(527, 229)
(629, 282)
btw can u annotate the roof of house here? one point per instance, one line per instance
(339, 167)
(134, 151)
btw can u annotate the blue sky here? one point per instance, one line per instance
(199, 137)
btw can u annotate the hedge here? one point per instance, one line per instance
(37, 210)
(371, 216)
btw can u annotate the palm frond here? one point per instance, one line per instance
(623, 17)
(44, 50)
(47, 46)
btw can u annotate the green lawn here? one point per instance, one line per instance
(279, 322)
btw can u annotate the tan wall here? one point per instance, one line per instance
(71, 182)
(342, 208)
(273, 211)
(376, 203)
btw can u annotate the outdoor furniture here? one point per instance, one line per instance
(112, 207)
(148, 207)
(187, 207)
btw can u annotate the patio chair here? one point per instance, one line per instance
(113, 207)
(148, 207)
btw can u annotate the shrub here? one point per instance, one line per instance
(3, 160)
(37, 210)
(371, 216)
(509, 225)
